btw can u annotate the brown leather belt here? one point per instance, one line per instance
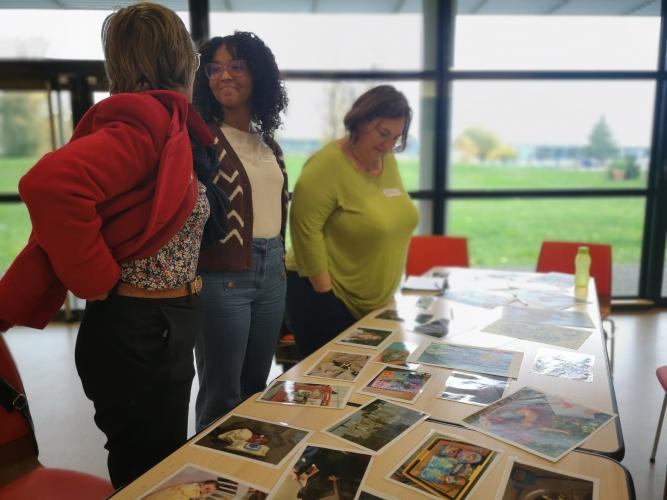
(192, 288)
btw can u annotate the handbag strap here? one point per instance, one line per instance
(13, 400)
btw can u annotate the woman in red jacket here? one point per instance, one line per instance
(118, 216)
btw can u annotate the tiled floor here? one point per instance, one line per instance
(68, 437)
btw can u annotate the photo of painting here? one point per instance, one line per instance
(544, 424)
(530, 481)
(290, 392)
(469, 358)
(253, 439)
(364, 336)
(397, 383)
(338, 365)
(396, 353)
(192, 481)
(444, 467)
(376, 424)
(322, 472)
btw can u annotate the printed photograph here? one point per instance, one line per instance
(544, 424)
(193, 482)
(376, 424)
(363, 336)
(389, 315)
(469, 358)
(425, 302)
(254, 439)
(338, 365)
(323, 473)
(438, 328)
(397, 354)
(397, 383)
(474, 388)
(290, 392)
(444, 467)
(523, 481)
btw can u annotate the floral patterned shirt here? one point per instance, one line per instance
(175, 264)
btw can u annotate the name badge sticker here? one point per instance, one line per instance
(391, 192)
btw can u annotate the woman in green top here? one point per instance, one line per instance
(351, 221)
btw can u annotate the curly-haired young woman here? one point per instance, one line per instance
(239, 92)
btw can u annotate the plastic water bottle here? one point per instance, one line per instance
(582, 267)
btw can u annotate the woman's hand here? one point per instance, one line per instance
(321, 282)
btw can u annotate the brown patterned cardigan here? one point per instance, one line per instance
(234, 252)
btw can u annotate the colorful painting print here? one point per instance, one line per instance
(389, 315)
(397, 383)
(364, 336)
(253, 439)
(191, 481)
(289, 392)
(444, 467)
(438, 328)
(577, 319)
(425, 302)
(474, 388)
(323, 473)
(529, 481)
(338, 365)
(565, 364)
(546, 425)
(376, 424)
(470, 358)
(478, 298)
(560, 336)
(396, 353)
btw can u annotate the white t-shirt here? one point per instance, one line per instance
(266, 180)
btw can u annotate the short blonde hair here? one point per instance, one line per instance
(147, 47)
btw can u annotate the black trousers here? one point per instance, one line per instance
(134, 357)
(315, 318)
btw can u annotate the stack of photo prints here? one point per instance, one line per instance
(400, 376)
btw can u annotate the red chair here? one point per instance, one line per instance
(426, 252)
(22, 477)
(558, 256)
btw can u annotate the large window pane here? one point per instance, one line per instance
(315, 117)
(332, 41)
(550, 135)
(59, 33)
(14, 231)
(508, 233)
(557, 41)
(27, 131)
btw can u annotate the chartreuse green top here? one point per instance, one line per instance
(354, 226)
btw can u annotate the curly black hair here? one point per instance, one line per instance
(268, 97)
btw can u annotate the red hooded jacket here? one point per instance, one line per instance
(117, 192)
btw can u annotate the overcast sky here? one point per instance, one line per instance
(520, 112)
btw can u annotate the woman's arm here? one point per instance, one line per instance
(321, 282)
(315, 199)
(62, 192)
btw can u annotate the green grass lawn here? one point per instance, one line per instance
(500, 232)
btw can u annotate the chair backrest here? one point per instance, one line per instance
(426, 252)
(558, 256)
(12, 423)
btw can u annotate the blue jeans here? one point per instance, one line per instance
(241, 320)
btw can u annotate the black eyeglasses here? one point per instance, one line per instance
(235, 68)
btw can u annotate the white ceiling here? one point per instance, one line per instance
(471, 7)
